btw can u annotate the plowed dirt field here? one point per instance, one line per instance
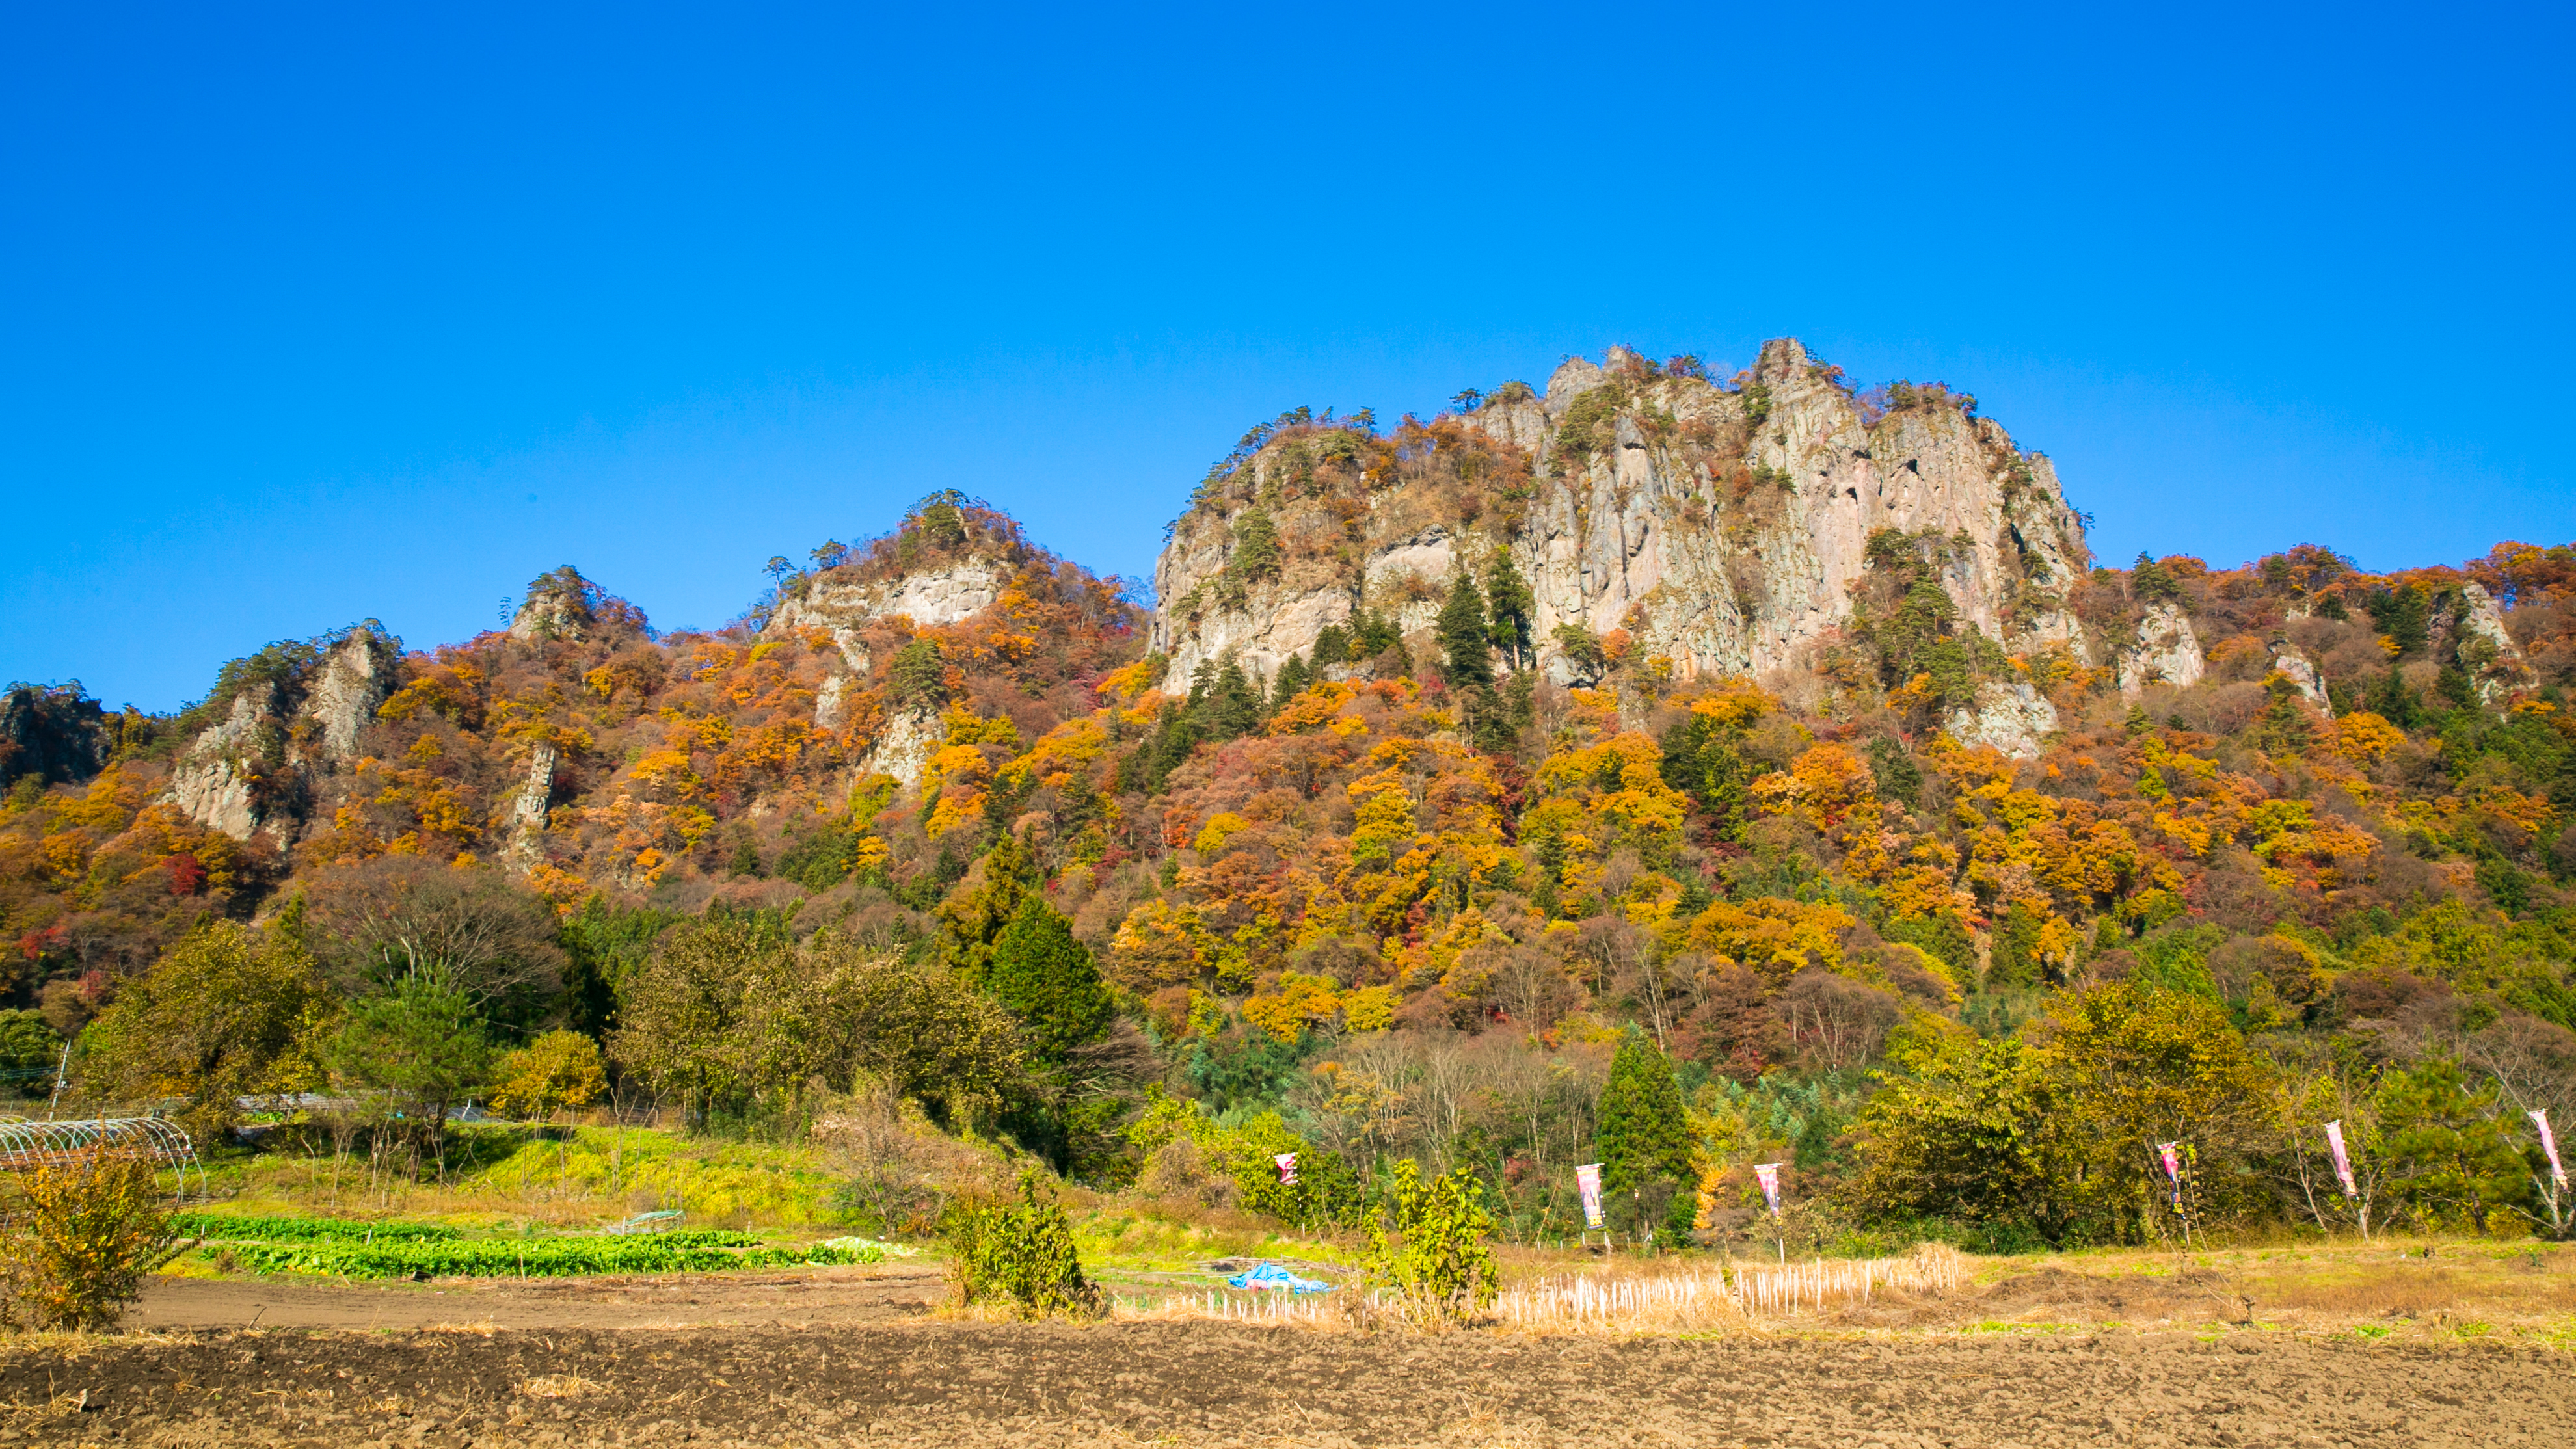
(938, 1382)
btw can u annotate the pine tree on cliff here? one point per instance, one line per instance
(1048, 980)
(1466, 644)
(1645, 1134)
(2152, 580)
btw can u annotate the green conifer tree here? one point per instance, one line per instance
(1645, 1134)
(2014, 959)
(2392, 701)
(1292, 681)
(975, 913)
(1703, 760)
(2453, 685)
(1332, 646)
(2405, 616)
(1232, 707)
(1511, 602)
(1373, 634)
(1048, 979)
(919, 674)
(2151, 580)
(1466, 644)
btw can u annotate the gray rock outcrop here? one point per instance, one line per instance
(2494, 662)
(217, 782)
(930, 597)
(1725, 530)
(535, 798)
(2297, 668)
(903, 747)
(273, 755)
(2014, 718)
(2166, 651)
(558, 605)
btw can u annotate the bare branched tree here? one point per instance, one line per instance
(470, 929)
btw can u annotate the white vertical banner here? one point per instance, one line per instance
(1768, 1174)
(2342, 1162)
(2548, 1144)
(1287, 1168)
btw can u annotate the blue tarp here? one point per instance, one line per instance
(1271, 1275)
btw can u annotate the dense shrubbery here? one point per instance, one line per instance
(1429, 1245)
(80, 1240)
(1018, 1253)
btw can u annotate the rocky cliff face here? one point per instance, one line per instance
(1722, 528)
(941, 595)
(2297, 668)
(2165, 651)
(287, 732)
(2494, 662)
(948, 593)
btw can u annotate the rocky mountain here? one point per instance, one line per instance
(1747, 630)
(1722, 527)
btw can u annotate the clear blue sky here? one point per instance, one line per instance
(380, 310)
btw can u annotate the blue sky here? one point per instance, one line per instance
(320, 314)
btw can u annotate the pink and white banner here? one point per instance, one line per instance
(1287, 1168)
(1768, 1174)
(2168, 1153)
(2548, 1144)
(2343, 1163)
(1587, 1180)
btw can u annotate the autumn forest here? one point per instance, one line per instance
(1959, 914)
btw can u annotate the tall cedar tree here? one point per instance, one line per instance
(1511, 602)
(976, 913)
(1048, 980)
(1293, 678)
(1466, 643)
(1645, 1135)
(1233, 708)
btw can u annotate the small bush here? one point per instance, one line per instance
(1019, 1253)
(1431, 1247)
(84, 1238)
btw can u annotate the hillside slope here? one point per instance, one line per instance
(1777, 720)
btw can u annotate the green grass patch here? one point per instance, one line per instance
(499, 1172)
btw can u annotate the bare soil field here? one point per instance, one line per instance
(1206, 1383)
(805, 1298)
(2415, 1344)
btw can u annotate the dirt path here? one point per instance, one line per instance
(883, 1293)
(1199, 1383)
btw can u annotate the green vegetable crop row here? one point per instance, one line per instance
(227, 1228)
(532, 1257)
